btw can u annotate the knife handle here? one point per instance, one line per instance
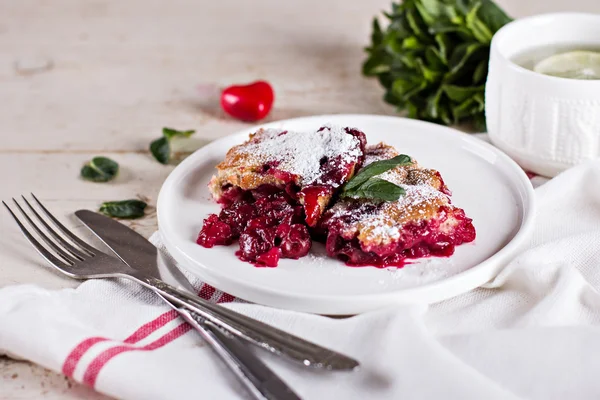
(265, 336)
(257, 378)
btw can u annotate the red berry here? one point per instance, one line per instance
(296, 243)
(250, 102)
(214, 232)
(270, 258)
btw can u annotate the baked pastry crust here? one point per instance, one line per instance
(277, 186)
(310, 166)
(422, 222)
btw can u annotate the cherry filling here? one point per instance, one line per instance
(267, 221)
(417, 240)
(271, 221)
(312, 207)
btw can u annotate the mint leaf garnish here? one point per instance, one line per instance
(378, 189)
(100, 169)
(376, 168)
(365, 185)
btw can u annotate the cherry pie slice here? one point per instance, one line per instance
(275, 185)
(421, 223)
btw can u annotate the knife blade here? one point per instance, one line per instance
(137, 252)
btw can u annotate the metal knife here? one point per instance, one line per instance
(135, 251)
(260, 334)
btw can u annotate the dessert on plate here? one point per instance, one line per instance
(281, 189)
(275, 186)
(422, 222)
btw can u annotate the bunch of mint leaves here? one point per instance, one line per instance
(432, 58)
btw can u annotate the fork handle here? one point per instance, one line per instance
(265, 336)
(257, 378)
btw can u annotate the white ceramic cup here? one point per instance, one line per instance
(546, 124)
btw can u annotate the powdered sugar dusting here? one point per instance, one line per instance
(385, 225)
(382, 222)
(301, 153)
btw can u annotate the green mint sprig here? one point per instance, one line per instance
(365, 184)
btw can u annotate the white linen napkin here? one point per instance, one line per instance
(531, 333)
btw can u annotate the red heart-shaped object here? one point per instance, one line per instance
(248, 102)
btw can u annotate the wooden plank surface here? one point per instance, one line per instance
(80, 78)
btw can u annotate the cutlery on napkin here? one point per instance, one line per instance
(134, 250)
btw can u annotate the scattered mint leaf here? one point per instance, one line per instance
(100, 169)
(170, 133)
(378, 189)
(161, 148)
(376, 168)
(127, 209)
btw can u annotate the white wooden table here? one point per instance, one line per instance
(80, 78)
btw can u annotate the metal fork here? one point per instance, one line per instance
(79, 260)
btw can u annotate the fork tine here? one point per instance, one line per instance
(40, 249)
(44, 237)
(64, 230)
(66, 245)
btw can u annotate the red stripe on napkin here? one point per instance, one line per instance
(142, 332)
(92, 371)
(206, 291)
(147, 329)
(226, 298)
(75, 355)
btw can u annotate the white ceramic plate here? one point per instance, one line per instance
(491, 188)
